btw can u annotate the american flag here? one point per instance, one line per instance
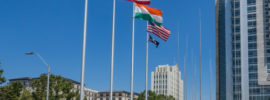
(159, 31)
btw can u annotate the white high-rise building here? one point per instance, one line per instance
(167, 80)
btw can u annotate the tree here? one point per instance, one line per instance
(153, 96)
(26, 95)
(11, 91)
(2, 79)
(59, 88)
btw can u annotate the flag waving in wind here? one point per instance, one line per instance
(153, 41)
(147, 13)
(159, 31)
(144, 2)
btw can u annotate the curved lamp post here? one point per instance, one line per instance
(48, 77)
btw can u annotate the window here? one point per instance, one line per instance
(236, 38)
(236, 21)
(236, 29)
(251, 2)
(253, 76)
(251, 16)
(251, 9)
(236, 54)
(268, 59)
(252, 24)
(252, 38)
(252, 45)
(235, 13)
(236, 62)
(236, 46)
(235, 5)
(252, 53)
(252, 68)
(268, 51)
(252, 60)
(252, 31)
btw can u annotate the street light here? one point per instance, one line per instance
(48, 77)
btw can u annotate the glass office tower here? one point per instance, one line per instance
(243, 49)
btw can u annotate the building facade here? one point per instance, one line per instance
(117, 95)
(242, 49)
(167, 80)
(27, 83)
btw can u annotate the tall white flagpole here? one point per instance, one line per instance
(210, 79)
(185, 73)
(112, 51)
(83, 50)
(146, 69)
(132, 53)
(200, 56)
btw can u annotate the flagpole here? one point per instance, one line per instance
(132, 53)
(146, 70)
(210, 79)
(200, 55)
(112, 51)
(185, 76)
(83, 50)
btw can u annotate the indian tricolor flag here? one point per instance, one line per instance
(145, 2)
(147, 13)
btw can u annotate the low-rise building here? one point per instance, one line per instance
(117, 95)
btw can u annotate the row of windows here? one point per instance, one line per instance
(236, 62)
(160, 81)
(252, 38)
(160, 86)
(236, 37)
(252, 46)
(252, 9)
(252, 53)
(252, 31)
(251, 16)
(252, 24)
(160, 76)
(252, 68)
(251, 2)
(236, 46)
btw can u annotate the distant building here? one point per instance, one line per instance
(167, 80)
(27, 83)
(117, 95)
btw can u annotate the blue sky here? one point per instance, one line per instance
(53, 28)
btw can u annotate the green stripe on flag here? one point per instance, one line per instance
(146, 17)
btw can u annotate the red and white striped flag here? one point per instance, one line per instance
(144, 2)
(159, 31)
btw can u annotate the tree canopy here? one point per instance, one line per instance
(59, 88)
(153, 96)
(11, 91)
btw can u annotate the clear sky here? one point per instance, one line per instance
(53, 28)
